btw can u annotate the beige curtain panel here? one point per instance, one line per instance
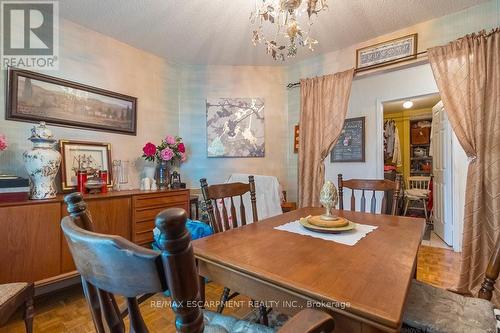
(467, 72)
(324, 102)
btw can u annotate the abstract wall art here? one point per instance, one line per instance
(235, 127)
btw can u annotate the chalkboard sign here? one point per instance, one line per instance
(351, 144)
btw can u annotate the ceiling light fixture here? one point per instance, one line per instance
(285, 16)
(408, 104)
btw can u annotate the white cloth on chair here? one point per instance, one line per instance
(389, 137)
(267, 190)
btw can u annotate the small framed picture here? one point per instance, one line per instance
(81, 155)
(387, 53)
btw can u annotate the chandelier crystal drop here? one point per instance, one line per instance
(284, 16)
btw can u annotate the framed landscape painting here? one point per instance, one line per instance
(235, 127)
(37, 97)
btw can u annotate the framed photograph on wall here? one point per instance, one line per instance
(296, 130)
(35, 97)
(350, 146)
(387, 53)
(82, 155)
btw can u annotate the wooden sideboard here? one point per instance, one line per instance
(33, 248)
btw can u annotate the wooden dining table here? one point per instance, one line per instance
(363, 286)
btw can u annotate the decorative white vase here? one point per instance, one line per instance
(42, 163)
(149, 171)
(328, 197)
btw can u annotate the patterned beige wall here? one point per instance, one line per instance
(198, 83)
(95, 59)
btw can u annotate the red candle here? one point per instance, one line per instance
(104, 178)
(81, 180)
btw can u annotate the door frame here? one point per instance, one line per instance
(379, 119)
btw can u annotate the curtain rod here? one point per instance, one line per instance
(360, 70)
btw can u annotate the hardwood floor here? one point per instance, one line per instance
(67, 312)
(438, 266)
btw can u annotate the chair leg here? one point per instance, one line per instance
(223, 299)
(406, 206)
(29, 313)
(202, 290)
(264, 320)
(425, 209)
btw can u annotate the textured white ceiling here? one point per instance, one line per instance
(218, 32)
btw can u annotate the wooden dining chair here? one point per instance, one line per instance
(14, 296)
(417, 191)
(221, 221)
(431, 309)
(220, 193)
(371, 185)
(111, 265)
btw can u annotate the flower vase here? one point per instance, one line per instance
(42, 163)
(163, 177)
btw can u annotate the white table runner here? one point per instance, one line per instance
(347, 238)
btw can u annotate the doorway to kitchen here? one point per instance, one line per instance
(419, 145)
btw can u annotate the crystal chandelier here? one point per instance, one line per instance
(284, 15)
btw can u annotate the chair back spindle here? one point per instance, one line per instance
(243, 212)
(253, 198)
(419, 182)
(220, 194)
(373, 203)
(225, 217)
(372, 185)
(363, 201)
(233, 213)
(341, 192)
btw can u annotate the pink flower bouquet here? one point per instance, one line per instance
(171, 149)
(3, 142)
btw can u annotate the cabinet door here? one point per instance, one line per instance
(111, 216)
(30, 241)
